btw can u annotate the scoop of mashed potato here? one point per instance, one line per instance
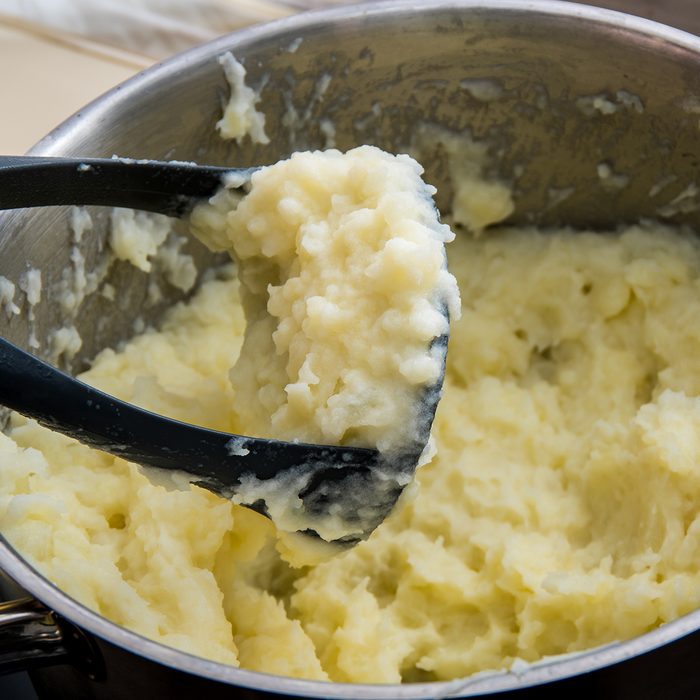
(346, 293)
(562, 510)
(343, 275)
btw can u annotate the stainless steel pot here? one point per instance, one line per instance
(391, 66)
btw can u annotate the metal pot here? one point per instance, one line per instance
(546, 136)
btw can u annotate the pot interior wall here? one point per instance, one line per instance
(375, 79)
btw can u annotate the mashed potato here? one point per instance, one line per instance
(562, 510)
(344, 283)
(345, 287)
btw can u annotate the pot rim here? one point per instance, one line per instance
(548, 669)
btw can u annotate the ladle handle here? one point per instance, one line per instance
(217, 460)
(170, 188)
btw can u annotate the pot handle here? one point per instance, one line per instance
(33, 636)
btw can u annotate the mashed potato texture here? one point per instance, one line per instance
(240, 118)
(345, 287)
(346, 293)
(562, 510)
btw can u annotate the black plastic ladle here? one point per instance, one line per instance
(345, 483)
(172, 188)
(214, 460)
